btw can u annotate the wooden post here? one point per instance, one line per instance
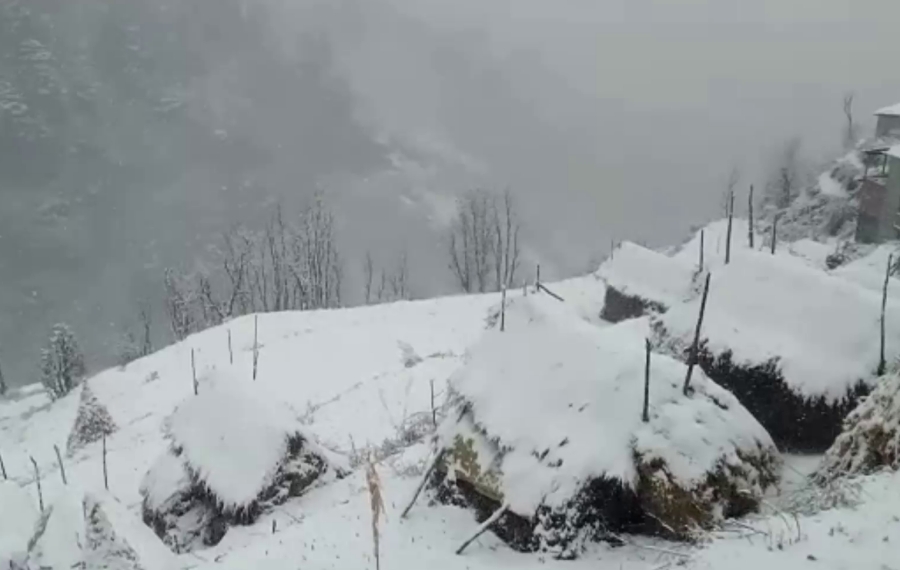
(692, 358)
(774, 233)
(3, 469)
(37, 478)
(503, 310)
(750, 232)
(484, 527)
(730, 224)
(230, 352)
(428, 470)
(62, 468)
(255, 344)
(882, 363)
(433, 410)
(646, 415)
(537, 284)
(105, 476)
(702, 247)
(194, 372)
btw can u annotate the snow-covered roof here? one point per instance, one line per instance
(585, 386)
(890, 111)
(640, 272)
(824, 330)
(231, 439)
(894, 151)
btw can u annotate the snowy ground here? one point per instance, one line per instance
(355, 378)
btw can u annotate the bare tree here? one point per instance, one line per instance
(62, 363)
(399, 279)
(368, 276)
(784, 181)
(850, 130)
(484, 239)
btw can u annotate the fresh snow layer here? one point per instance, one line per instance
(894, 151)
(823, 330)
(233, 441)
(891, 110)
(553, 382)
(831, 187)
(640, 272)
(166, 479)
(18, 513)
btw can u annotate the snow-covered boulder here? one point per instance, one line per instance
(15, 531)
(92, 423)
(797, 346)
(549, 421)
(640, 281)
(871, 437)
(232, 456)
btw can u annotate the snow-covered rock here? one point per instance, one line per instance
(870, 440)
(553, 406)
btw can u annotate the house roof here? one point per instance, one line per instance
(892, 111)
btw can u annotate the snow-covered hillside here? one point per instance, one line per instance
(361, 380)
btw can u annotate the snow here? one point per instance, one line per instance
(15, 530)
(166, 479)
(830, 186)
(891, 110)
(823, 330)
(586, 385)
(640, 272)
(343, 373)
(868, 271)
(59, 535)
(230, 439)
(894, 151)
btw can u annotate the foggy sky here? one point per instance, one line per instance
(614, 119)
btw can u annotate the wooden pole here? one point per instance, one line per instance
(750, 232)
(255, 344)
(692, 358)
(503, 311)
(484, 527)
(702, 247)
(105, 475)
(428, 470)
(3, 469)
(433, 410)
(730, 224)
(774, 233)
(230, 352)
(882, 362)
(646, 415)
(37, 478)
(62, 468)
(194, 372)
(537, 284)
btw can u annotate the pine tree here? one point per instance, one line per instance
(62, 363)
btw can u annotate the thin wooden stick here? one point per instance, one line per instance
(484, 527)
(503, 311)
(105, 476)
(692, 359)
(551, 293)
(433, 410)
(730, 224)
(37, 478)
(428, 470)
(646, 415)
(882, 363)
(255, 344)
(62, 468)
(774, 233)
(750, 232)
(230, 352)
(537, 283)
(3, 469)
(702, 247)
(194, 372)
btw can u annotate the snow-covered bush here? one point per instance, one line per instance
(232, 457)
(870, 440)
(62, 363)
(797, 346)
(548, 420)
(92, 423)
(641, 281)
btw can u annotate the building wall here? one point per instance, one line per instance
(879, 204)
(888, 126)
(891, 206)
